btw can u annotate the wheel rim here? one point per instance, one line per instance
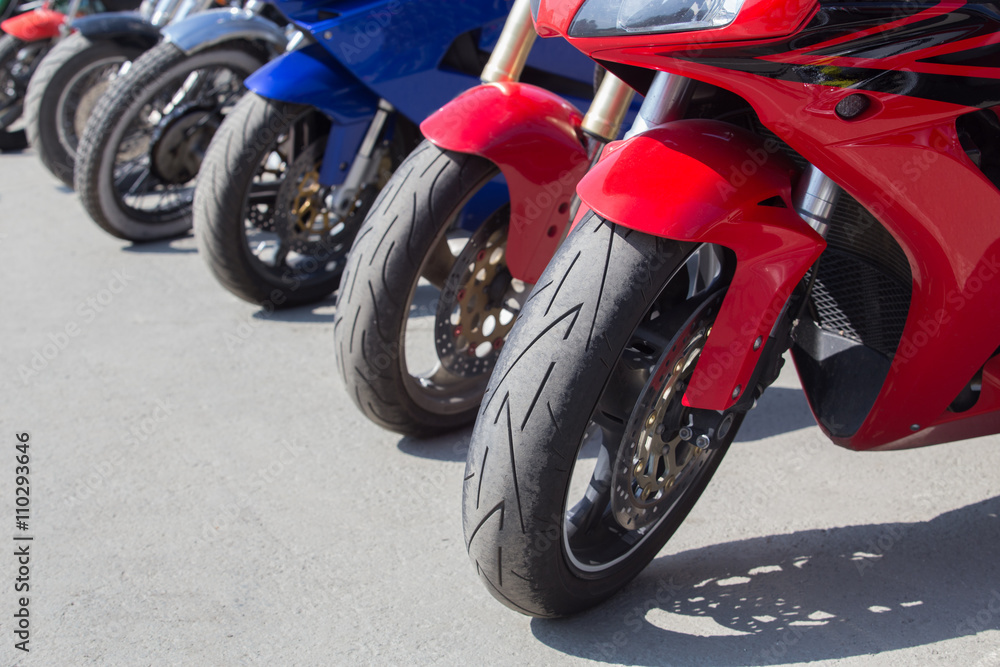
(459, 313)
(634, 471)
(9, 91)
(159, 193)
(79, 97)
(478, 304)
(14, 76)
(291, 231)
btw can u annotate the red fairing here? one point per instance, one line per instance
(533, 136)
(901, 158)
(711, 200)
(34, 25)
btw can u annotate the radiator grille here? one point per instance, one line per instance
(864, 284)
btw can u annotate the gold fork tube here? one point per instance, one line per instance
(508, 58)
(607, 111)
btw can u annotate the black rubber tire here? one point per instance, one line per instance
(547, 382)
(241, 143)
(18, 139)
(420, 201)
(95, 156)
(42, 105)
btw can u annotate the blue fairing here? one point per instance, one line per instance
(395, 50)
(396, 47)
(311, 76)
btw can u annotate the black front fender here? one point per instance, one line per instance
(125, 27)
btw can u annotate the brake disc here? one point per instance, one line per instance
(479, 303)
(654, 461)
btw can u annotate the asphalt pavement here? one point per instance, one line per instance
(203, 492)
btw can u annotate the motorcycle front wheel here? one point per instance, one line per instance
(426, 300)
(577, 472)
(62, 93)
(15, 73)
(142, 148)
(264, 222)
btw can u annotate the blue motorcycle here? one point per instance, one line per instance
(295, 167)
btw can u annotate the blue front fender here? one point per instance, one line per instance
(310, 76)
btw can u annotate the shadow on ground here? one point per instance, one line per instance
(322, 312)
(169, 246)
(800, 597)
(779, 411)
(449, 447)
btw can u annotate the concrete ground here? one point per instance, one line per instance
(203, 492)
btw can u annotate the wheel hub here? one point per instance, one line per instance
(654, 459)
(310, 214)
(181, 141)
(303, 215)
(478, 304)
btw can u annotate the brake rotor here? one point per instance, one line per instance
(303, 212)
(302, 208)
(479, 303)
(654, 461)
(180, 141)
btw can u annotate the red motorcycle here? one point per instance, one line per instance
(461, 232)
(819, 177)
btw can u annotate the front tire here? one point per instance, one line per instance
(62, 94)
(416, 276)
(141, 151)
(266, 226)
(576, 473)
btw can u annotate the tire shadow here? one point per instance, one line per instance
(322, 312)
(779, 411)
(452, 446)
(799, 597)
(180, 245)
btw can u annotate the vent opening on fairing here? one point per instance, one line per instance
(979, 133)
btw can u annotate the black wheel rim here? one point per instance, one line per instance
(293, 234)
(631, 445)
(80, 95)
(144, 191)
(15, 72)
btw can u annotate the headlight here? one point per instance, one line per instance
(640, 17)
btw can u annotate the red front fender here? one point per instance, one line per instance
(532, 135)
(35, 25)
(710, 182)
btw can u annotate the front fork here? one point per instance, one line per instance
(364, 167)
(814, 198)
